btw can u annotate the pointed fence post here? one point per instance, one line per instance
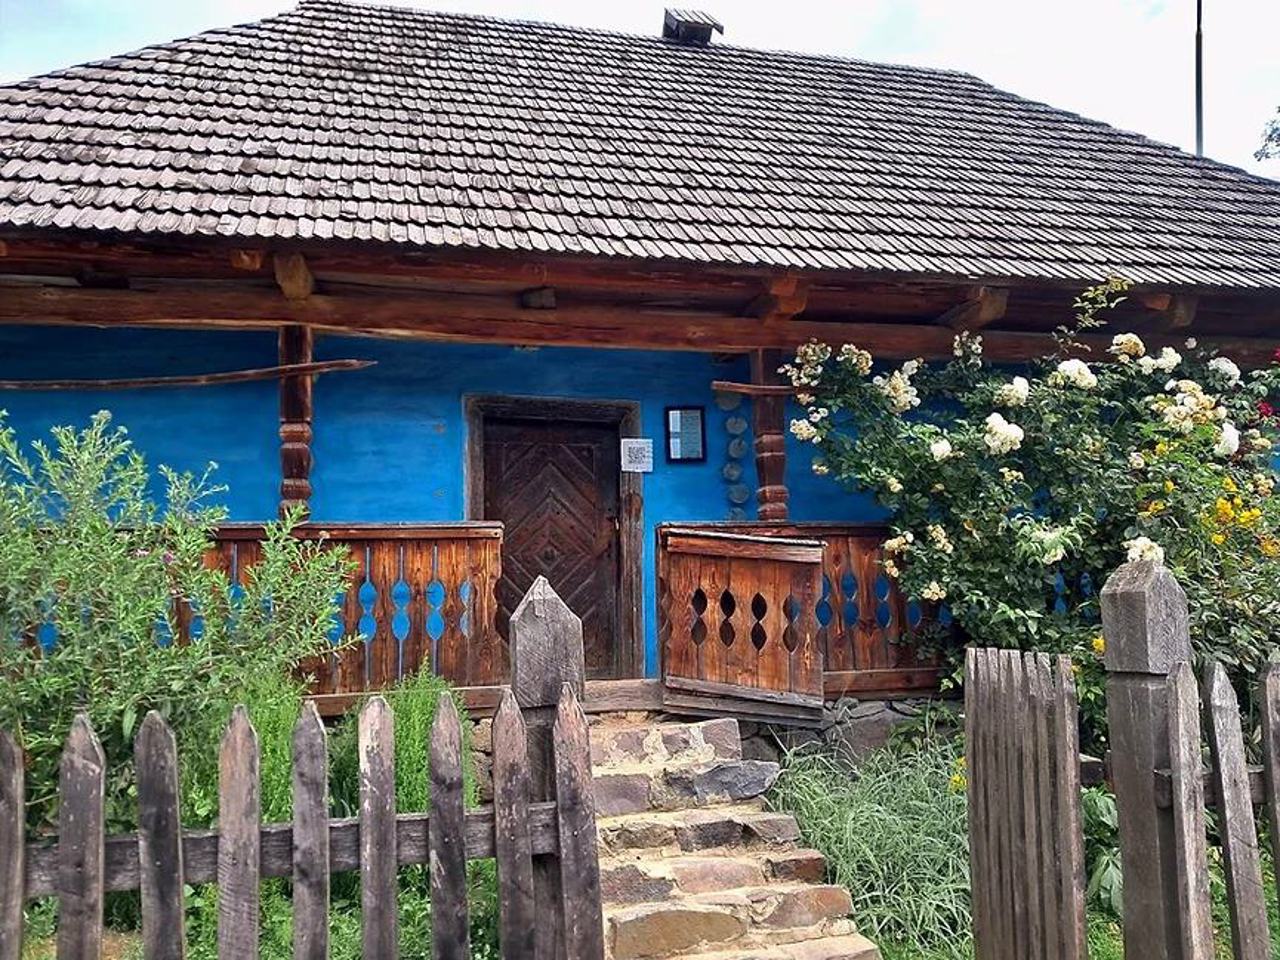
(546, 654)
(1144, 621)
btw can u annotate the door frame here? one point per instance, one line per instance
(625, 415)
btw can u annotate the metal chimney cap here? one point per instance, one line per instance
(690, 26)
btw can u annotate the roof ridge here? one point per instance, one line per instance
(655, 39)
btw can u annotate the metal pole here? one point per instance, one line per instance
(1199, 79)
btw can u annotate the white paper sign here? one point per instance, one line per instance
(637, 455)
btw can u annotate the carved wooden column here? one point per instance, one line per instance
(768, 415)
(295, 421)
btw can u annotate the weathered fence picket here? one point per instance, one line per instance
(155, 755)
(12, 848)
(1026, 848)
(554, 828)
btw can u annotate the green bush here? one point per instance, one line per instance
(88, 556)
(893, 830)
(1016, 493)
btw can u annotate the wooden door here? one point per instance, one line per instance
(554, 485)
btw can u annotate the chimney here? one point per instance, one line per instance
(692, 27)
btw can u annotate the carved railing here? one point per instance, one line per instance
(737, 623)
(419, 594)
(861, 615)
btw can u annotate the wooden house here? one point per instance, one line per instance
(424, 274)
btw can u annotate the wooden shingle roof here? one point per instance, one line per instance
(347, 121)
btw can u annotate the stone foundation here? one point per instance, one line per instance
(852, 726)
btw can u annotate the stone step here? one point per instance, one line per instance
(751, 918)
(783, 906)
(629, 744)
(744, 825)
(848, 947)
(645, 877)
(680, 784)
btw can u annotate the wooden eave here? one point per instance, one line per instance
(67, 278)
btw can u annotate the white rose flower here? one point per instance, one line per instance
(940, 449)
(1228, 440)
(1077, 373)
(1127, 345)
(1192, 343)
(820, 468)
(893, 484)
(934, 591)
(1014, 393)
(1225, 369)
(1002, 436)
(1168, 359)
(1137, 461)
(803, 430)
(1144, 548)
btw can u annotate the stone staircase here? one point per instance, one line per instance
(692, 866)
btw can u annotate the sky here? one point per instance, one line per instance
(1127, 62)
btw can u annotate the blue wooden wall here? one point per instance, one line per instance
(390, 440)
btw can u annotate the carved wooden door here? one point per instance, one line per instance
(555, 487)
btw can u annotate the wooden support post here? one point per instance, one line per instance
(295, 421)
(1144, 620)
(768, 414)
(546, 654)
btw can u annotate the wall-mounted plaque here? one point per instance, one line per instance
(686, 435)
(637, 455)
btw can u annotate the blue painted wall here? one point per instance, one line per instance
(390, 440)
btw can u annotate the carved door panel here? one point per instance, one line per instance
(555, 487)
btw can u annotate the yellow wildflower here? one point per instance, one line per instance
(1168, 486)
(1162, 448)
(1152, 508)
(958, 783)
(1218, 538)
(1223, 511)
(1270, 546)
(1249, 517)
(1229, 485)
(1099, 644)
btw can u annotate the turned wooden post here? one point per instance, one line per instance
(768, 414)
(1144, 621)
(295, 421)
(546, 654)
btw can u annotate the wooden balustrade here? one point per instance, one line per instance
(859, 614)
(737, 623)
(420, 594)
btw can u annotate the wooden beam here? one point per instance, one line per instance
(248, 259)
(983, 306)
(491, 319)
(784, 298)
(538, 298)
(769, 424)
(293, 275)
(295, 347)
(1182, 311)
(193, 380)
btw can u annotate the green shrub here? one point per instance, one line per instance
(1015, 496)
(893, 830)
(91, 561)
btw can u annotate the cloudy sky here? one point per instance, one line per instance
(1128, 62)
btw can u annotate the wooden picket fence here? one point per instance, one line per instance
(1026, 842)
(1026, 846)
(540, 827)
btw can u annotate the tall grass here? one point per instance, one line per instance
(893, 830)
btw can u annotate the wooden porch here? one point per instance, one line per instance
(754, 619)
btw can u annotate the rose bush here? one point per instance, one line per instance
(1014, 494)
